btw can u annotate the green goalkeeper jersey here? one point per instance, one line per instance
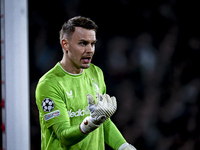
(61, 97)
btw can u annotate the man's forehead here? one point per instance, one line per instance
(82, 33)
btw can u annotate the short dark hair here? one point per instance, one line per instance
(69, 26)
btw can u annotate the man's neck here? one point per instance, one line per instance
(66, 66)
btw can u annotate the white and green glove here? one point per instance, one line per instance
(127, 146)
(99, 113)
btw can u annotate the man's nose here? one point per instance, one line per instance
(90, 48)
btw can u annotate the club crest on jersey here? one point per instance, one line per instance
(47, 105)
(95, 87)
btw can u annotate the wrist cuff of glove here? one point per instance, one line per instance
(87, 126)
(127, 146)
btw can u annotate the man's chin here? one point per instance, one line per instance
(85, 66)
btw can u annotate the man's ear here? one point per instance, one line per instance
(65, 44)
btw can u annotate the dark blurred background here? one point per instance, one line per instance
(149, 53)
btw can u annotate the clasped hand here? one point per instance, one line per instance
(99, 113)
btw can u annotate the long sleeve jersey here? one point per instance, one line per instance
(61, 98)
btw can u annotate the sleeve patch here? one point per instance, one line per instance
(47, 105)
(51, 115)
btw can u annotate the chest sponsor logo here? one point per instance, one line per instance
(69, 94)
(79, 112)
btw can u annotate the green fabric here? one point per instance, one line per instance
(112, 135)
(69, 94)
(68, 135)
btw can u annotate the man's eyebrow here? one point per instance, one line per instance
(82, 40)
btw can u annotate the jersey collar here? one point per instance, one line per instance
(69, 72)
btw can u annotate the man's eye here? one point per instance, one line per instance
(83, 43)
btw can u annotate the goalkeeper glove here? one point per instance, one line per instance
(126, 146)
(99, 113)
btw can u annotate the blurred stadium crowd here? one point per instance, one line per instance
(149, 53)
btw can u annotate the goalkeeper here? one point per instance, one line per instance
(74, 109)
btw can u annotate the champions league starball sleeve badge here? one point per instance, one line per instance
(47, 105)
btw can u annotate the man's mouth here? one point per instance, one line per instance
(86, 59)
